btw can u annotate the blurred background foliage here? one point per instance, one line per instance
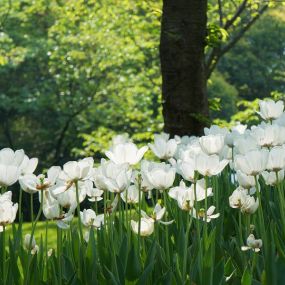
(75, 73)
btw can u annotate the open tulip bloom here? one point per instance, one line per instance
(188, 216)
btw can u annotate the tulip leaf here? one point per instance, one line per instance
(133, 270)
(246, 277)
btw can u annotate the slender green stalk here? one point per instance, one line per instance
(4, 255)
(188, 226)
(32, 208)
(166, 230)
(281, 202)
(46, 239)
(32, 235)
(200, 248)
(59, 253)
(139, 225)
(20, 204)
(78, 211)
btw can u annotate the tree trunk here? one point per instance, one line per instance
(182, 56)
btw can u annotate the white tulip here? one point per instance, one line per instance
(112, 177)
(28, 165)
(126, 153)
(94, 194)
(160, 175)
(34, 247)
(238, 197)
(90, 219)
(10, 157)
(209, 165)
(267, 135)
(206, 216)
(146, 226)
(249, 205)
(253, 162)
(163, 147)
(252, 243)
(131, 195)
(270, 110)
(31, 183)
(186, 196)
(245, 143)
(64, 221)
(216, 130)
(77, 170)
(9, 174)
(212, 144)
(186, 169)
(8, 210)
(67, 199)
(270, 178)
(276, 159)
(245, 181)
(51, 207)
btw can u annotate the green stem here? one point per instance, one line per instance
(139, 225)
(46, 240)
(20, 204)
(32, 208)
(4, 255)
(78, 211)
(32, 235)
(281, 202)
(188, 226)
(166, 230)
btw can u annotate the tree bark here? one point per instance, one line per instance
(182, 56)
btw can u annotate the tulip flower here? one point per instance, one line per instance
(186, 196)
(10, 163)
(163, 147)
(206, 216)
(51, 207)
(250, 205)
(112, 177)
(186, 169)
(270, 110)
(270, 178)
(241, 199)
(67, 199)
(28, 165)
(146, 226)
(245, 181)
(245, 143)
(209, 165)
(94, 194)
(159, 175)
(212, 144)
(252, 244)
(267, 135)
(276, 159)
(34, 246)
(90, 219)
(8, 210)
(31, 183)
(10, 157)
(216, 130)
(64, 220)
(253, 162)
(126, 153)
(131, 195)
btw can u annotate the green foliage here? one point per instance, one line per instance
(69, 68)
(227, 95)
(255, 66)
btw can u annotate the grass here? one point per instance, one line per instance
(39, 232)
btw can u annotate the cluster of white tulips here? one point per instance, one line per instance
(148, 195)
